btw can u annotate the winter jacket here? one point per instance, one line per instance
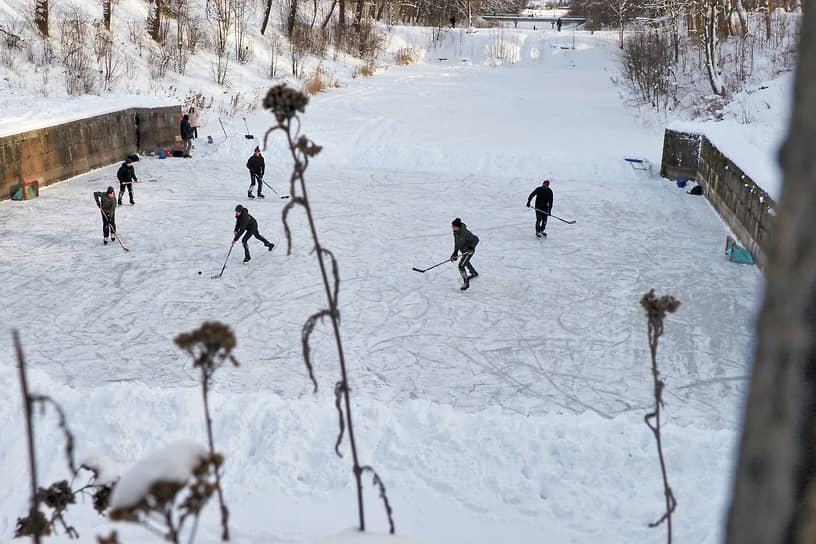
(126, 173)
(107, 203)
(185, 128)
(244, 222)
(544, 198)
(192, 118)
(256, 165)
(464, 240)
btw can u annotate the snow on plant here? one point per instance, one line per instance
(59, 495)
(656, 309)
(285, 103)
(211, 346)
(165, 489)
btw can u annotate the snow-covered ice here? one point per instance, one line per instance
(513, 411)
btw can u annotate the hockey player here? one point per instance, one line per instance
(247, 225)
(106, 202)
(465, 242)
(256, 167)
(126, 176)
(543, 206)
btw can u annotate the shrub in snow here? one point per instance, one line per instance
(285, 103)
(210, 346)
(164, 490)
(656, 309)
(59, 495)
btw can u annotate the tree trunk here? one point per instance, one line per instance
(292, 17)
(771, 7)
(41, 17)
(774, 495)
(740, 9)
(267, 10)
(154, 16)
(328, 15)
(710, 46)
(106, 14)
(358, 17)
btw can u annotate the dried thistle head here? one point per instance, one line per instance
(101, 499)
(285, 102)
(656, 308)
(58, 496)
(160, 494)
(36, 524)
(213, 339)
(112, 538)
(307, 147)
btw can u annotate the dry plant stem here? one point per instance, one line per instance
(297, 174)
(205, 378)
(35, 507)
(655, 310)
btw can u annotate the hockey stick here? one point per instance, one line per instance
(225, 264)
(113, 230)
(423, 270)
(553, 216)
(273, 189)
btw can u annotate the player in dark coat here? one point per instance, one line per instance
(186, 131)
(256, 167)
(126, 176)
(465, 242)
(247, 225)
(543, 206)
(106, 202)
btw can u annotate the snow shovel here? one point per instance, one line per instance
(248, 136)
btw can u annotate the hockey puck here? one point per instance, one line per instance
(199, 272)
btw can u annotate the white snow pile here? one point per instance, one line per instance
(104, 468)
(174, 463)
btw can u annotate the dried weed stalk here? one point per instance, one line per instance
(285, 103)
(59, 495)
(210, 346)
(656, 309)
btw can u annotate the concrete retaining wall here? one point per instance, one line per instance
(742, 204)
(52, 154)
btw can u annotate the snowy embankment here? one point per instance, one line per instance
(512, 412)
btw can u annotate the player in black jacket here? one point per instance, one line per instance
(245, 224)
(106, 202)
(126, 176)
(543, 206)
(256, 167)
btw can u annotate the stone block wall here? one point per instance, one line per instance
(55, 153)
(681, 152)
(742, 204)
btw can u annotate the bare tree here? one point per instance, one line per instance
(106, 14)
(708, 13)
(154, 19)
(267, 11)
(41, 16)
(774, 495)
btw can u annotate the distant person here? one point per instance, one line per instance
(247, 225)
(193, 118)
(543, 206)
(558, 24)
(465, 242)
(106, 202)
(186, 134)
(256, 167)
(126, 176)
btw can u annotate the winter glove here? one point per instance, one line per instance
(454, 257)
